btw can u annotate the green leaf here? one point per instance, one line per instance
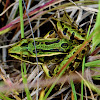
(93, 64)
(96, 37)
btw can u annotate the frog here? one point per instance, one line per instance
(69, 41)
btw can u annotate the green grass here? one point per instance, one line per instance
(73, 90)
(21, 18)
(96, 37)
(95, 42)
(83, 66)
(23, 65)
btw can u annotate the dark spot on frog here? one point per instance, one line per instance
(51, 50)
(73, 52)
(77, 60)
(83, 51)
(65, 29)
(64, 32)
(41, 42)
(62, 24)
(47, 43)
(68, 50)
(25, 44)
(72, 36)
(77, 55)
(72, 68)
(78, 31)
(73, 27)
(83, 35)
(80, 41)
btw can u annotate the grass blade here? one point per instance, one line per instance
(96, 38)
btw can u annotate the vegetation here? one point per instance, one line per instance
(50, 50)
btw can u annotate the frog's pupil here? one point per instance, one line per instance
(64, 45)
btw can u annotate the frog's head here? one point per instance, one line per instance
(15, 49)
(19, 48)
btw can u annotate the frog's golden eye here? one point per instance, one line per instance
(64, 45)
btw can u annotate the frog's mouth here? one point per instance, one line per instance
(24, 58)
(17, 56)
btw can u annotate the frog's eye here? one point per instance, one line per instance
(64, 45)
